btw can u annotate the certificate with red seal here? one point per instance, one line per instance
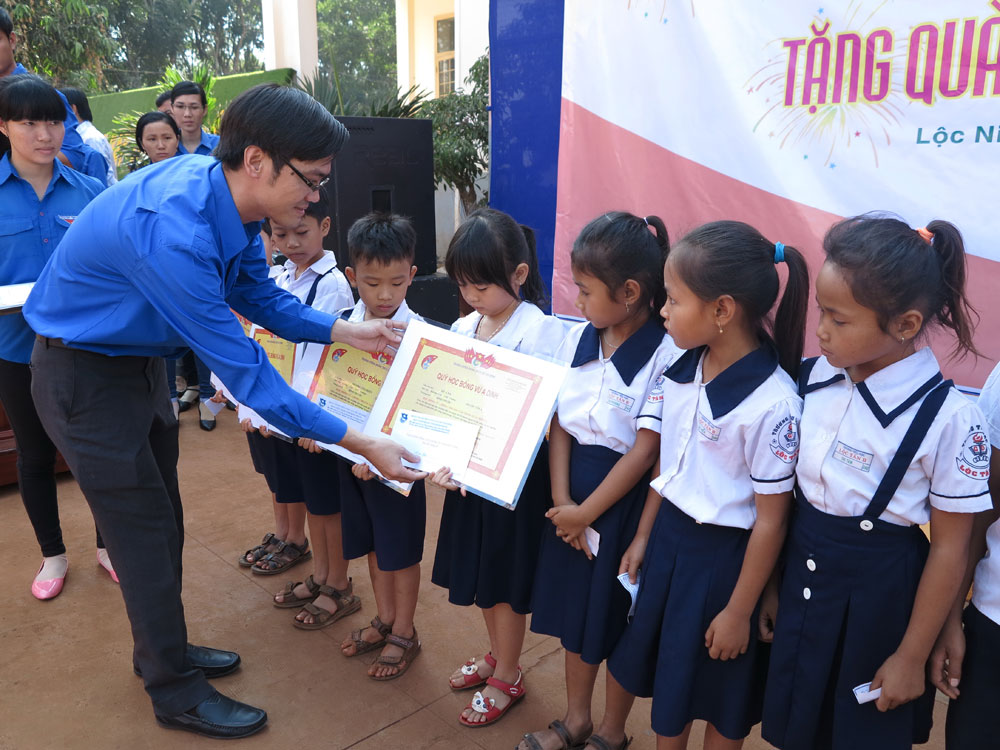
(508, 396)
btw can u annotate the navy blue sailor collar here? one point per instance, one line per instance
(729, 388)
(630, 357)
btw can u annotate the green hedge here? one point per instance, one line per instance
(106, 106)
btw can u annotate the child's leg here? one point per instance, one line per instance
(290, 521)
(383, 586)
(405, 585)
(680, 742)
(506, 640)
(715, 741)
(483, 668)
(617, 705)
(329, 565)
(580, 678)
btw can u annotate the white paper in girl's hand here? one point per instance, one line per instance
(865, 694)
(631, 588)
(593, 540)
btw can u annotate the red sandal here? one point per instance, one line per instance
(487, 706)
(470, 673)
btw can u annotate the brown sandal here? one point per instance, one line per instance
(267, 545)
(411, 649)
(290, 599)
(361, 646)
(347, 604)
(284, 557)
(599, 743)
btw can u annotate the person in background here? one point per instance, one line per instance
(74, 153)
(163, 103)
(157, 135)
(90, 134)
(188, 107)
(39, 199)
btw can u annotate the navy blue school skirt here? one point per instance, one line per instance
(689, 573)
(846, 598)
(376, 518)
(316, 474)
(580, 601)
(487, 555)
(275, 459)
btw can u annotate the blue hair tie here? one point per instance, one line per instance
(779, 253)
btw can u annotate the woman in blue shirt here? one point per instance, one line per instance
(39, 198)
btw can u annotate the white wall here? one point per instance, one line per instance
(290, 35)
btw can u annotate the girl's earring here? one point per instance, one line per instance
(720, 327)
(627, 308)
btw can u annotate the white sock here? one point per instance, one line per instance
(53, 567)
(102, 557)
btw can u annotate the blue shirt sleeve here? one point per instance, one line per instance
(255, 296)
(183, 284)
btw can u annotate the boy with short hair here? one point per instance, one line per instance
(378, 521)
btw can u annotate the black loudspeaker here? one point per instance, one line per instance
(387, 165)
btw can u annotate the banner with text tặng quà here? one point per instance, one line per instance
(787, 115)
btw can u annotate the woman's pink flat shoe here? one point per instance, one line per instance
(108, 567)
(48, 589)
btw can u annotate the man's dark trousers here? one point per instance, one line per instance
(112, 421)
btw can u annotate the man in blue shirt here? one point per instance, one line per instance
(150, 267)
(188, 107)
(77, 154)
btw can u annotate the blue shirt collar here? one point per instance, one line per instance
(729, 388)
(8, 171)
(630, 357)
(18, 68)
(232, 240)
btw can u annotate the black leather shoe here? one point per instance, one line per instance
(212, 662)
(218, 716)
(206, 420)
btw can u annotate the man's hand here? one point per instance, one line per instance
(384, 454)
(371, 335)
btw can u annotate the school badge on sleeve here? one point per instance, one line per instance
(785, 439)
(974, 458)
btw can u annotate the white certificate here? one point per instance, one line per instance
(438, 441)
(508, 396)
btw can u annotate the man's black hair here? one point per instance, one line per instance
(188, 87)
(78, 99)
(6, 25)
(283, 122)
(164, 97)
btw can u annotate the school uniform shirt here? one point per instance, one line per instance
(30, 230)
(158, 264)
(99, 142)
(600, 399)
(519, 333)
(204, 148)
(723, 441)
(852, 430)
(986, 588)
(333, 293)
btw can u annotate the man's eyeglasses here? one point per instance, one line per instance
(313, 186)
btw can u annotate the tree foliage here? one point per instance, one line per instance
(462, 134)
(357, 45)
(122, 44)
(66, 40)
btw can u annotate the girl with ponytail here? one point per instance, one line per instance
(887, 445)
(599, 462)
(727, 415)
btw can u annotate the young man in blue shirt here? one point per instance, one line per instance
(145, 270)
(188, 106)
